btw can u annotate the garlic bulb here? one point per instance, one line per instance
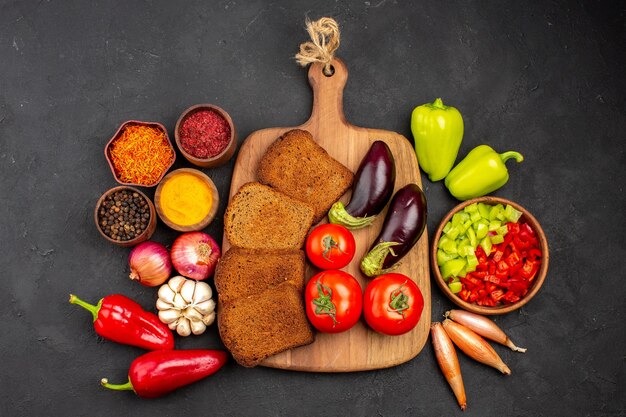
(186, 306)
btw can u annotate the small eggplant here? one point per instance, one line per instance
(373, 186)
(403, 226)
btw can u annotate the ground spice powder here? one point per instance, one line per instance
(204, 134)
(185, 199)
(141, 155)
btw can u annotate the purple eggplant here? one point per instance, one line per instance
(372, 189)
(404, 224)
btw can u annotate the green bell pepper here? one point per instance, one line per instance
(437, 132)
(481, 172)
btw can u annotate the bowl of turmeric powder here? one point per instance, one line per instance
(140, 153)
(186, 200)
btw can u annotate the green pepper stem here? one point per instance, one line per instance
(93, 309)
(117, 387)
(505, 156)
(438, 104)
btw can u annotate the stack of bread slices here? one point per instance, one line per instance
(260, 279)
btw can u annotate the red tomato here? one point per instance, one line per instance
(334, 301)
(330, 246)
(392, 304)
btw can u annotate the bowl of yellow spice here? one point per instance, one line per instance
(186, 200)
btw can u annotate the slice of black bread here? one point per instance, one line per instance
(298, 166)
(258, 326)
(243, 272)
(259, 217)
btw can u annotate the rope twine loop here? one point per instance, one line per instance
(324, 42)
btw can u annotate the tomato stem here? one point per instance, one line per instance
(329, 244)
(399, 301)
(323, 302)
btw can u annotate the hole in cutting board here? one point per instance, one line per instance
(332, 72)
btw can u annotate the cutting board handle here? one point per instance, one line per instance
(328, 94)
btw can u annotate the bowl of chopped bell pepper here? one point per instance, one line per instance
(140, 153)
(489, 255)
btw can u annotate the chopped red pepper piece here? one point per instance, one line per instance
(479, 274)
(513, 228)
(512, 259)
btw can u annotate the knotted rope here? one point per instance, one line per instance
(324, 42)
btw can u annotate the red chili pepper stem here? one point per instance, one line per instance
(93, 309)
(117, 387)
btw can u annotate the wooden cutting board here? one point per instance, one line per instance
(359, 348)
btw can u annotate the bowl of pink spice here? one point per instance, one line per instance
(205, 135)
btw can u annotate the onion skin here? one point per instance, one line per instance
(482, 326)
(448, 362)
(474, 346)
(150, 264)
(195, 255)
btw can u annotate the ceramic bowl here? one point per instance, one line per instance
(218, 159)
(504, 308)
(117, 134)
(147, 233)
(214, 201)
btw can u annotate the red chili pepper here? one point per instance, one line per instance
(155, 374)
(122, 320)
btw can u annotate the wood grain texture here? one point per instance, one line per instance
(359, 348)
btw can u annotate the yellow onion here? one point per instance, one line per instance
(448, 362)
(484, 327)
(150, 264)
(474, 346)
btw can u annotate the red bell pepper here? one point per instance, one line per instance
(155, 374)
(122, 320)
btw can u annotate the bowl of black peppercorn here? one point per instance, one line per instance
(125, 216)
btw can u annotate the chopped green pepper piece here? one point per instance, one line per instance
(494, 225)
(452, 268)
(486, 245)
(455, 287)
(472, 208)
(494, 213)
(443, 257)
(471, 234)
(472, 263)
(450, 247)
(454, 231)
(482, 230)
(495, 239)
(484, 210)
(466, 226)
(466, 250)
(512, 214)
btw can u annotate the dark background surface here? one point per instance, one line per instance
(543, 78)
